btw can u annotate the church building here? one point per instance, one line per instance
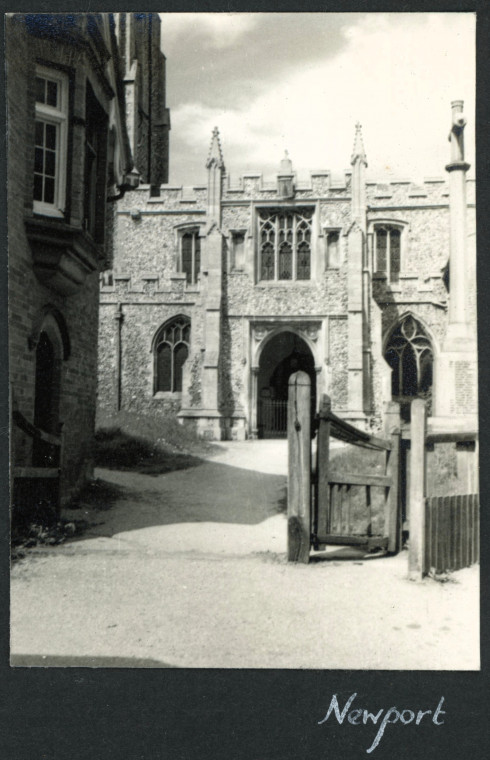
(221, 290)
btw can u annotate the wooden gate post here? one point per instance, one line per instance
(393, 517)
(416, 499)
(467, 466)
(299, 468)
(322, 507)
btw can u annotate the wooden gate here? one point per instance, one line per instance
(320, 497)
(332, 521)
(35, 490)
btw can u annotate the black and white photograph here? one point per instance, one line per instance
(243, 372)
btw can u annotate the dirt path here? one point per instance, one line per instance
(188, 569)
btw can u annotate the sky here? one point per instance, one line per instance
(300, 81)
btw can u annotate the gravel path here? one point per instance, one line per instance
(188, 569)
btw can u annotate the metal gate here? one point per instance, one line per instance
(273, 418)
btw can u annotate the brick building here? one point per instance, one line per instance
(219, 291)
(71, 78)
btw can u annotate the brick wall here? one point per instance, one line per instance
(29, 299)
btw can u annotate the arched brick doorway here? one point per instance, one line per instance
(283, 354)
(52, 347)
(47, 398)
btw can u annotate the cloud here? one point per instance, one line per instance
(221, 30)
(220, 65)
(396, 73)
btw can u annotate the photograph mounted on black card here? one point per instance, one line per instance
(243, 356)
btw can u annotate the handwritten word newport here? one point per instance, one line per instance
(383, 717)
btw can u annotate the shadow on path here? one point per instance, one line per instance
(209, 492)
(117, 449)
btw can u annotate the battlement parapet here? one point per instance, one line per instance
(404, 192)
(320, 183)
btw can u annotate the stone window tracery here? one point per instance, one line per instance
(285, 239)
(409, 353)
(171, 351)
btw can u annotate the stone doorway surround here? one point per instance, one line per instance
(262, 330)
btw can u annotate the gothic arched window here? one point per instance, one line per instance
(171, 349)
(387, 247)
(285, 241)
(410, 356)
(190, 256)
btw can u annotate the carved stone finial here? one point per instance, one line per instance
(459, 119)
(286, 166)
(215, 156)
(456, 135)
(358, 152)
(285, 178)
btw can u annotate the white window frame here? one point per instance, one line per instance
(59, 117)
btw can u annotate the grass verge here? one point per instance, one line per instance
(147, 444)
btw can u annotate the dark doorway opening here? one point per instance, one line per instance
(47, 398)
(283, 355)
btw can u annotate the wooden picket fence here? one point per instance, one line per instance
(444, 531)
(452, 532)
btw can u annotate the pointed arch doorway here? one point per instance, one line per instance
(284, 353)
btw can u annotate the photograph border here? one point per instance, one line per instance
(57, 713)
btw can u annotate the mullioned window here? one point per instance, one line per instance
(171, 351)
(285, 244)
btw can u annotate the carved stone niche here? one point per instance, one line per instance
(285, 186)
(260, 332)
(62, 255)
(311, 331)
